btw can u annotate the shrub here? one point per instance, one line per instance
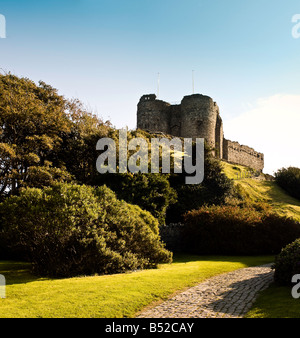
(289, 180)
(69, 230)
(287, 263)
(151, 192)
(232, 230)
(215, 189)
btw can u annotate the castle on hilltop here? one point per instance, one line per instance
(197, 116)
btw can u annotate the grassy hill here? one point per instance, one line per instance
(260, 189)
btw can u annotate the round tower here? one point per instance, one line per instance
(152, 114)
(199, 118)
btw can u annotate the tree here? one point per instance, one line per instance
(33, 120)
(214, 190)
(78, 151)
(289, 180)
(44, 138)
(151, 192)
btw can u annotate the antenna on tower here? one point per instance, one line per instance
(158, 80)
(193, 81)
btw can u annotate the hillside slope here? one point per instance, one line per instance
(261, 190)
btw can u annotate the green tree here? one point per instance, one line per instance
(289, 180)
(214, 190)
(151, 192)
(44, 138)
(33, 120)
(78, 151)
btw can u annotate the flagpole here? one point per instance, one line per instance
(158, 80)
(193, 82)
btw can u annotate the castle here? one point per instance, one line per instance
(197, 116)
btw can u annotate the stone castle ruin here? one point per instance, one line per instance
(197, 116)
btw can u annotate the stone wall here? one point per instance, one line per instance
(175, 120)
(244, 155)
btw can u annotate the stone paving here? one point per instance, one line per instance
(228, 295)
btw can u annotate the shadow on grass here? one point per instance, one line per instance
(17, 272)
(247, 260)
(279, 195)
(20, 272)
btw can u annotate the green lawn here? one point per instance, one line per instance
(275, 302)
(112, 296)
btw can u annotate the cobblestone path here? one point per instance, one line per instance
(228, 295)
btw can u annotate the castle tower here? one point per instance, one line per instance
(152, 114)
(199, 118)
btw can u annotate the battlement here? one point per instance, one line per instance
(197, 116)
(149, 97)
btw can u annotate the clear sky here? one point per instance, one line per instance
(108, 53)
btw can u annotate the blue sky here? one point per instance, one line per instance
(108, 53)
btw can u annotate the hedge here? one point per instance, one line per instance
(69, 230)
(234, 230)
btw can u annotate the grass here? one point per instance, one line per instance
(112, 296)
(275, 302)
(264, 191)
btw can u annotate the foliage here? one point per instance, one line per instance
(68, 230)
(151, 192)
(289, 180)
(32, 122)
(78, 151)
(287, 263)
(234, 230)
(44, 138)
(214, 190)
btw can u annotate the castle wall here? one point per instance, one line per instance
(175, 120)
(244, 155)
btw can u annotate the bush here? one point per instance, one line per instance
(289, 180)
(231, 230)
(69, 230)
(287, 263)
(151, 192)
(215, 189)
